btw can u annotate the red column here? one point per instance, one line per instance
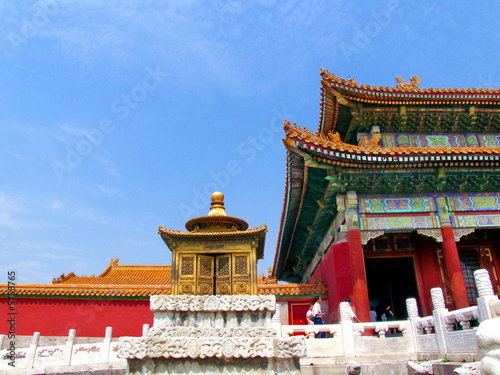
(457, 282)
(358, 274)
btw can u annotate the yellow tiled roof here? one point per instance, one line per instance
(373, 92)
(262, 229)
(136, 282)
(86, 290)
(117, 274)
(325, 142)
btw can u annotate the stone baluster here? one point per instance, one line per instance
(465, 324)
(449, 323)
(68, 349)
(31, 356)
(483, 283)
(415, 329)
(145, 330)
(232, 320)
(412, 308)
(106, 344)
(381, 329)
(276, 320)
(486, 294)
(439, 326)
(347, 328)
(437, 298)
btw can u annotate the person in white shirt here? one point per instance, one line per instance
(318, 314)
(310, 315)
(353, 315)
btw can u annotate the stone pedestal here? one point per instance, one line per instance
(212, 335)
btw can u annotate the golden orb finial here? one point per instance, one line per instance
(217, 207)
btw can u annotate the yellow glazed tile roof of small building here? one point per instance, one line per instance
(136, 282)
(116, 274)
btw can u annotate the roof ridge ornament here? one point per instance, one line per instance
(413, 84)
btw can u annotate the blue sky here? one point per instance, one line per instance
(117, 117)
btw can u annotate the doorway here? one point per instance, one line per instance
(390, 282)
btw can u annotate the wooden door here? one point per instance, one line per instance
(205, 282)
(241, 273)
(223, 273)
(187, 275)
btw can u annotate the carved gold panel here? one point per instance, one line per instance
(223, 274)
(241, 273)
(187, 274)
(205, 282)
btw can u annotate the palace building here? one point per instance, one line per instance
(397, 192)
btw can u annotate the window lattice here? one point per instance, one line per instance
(381, 244)
(187, 266)
(470, 262)
(241, 265)
(205, 266)
(223, 266)
(402, 243)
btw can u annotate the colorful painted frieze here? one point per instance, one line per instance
(396, 205)
(479, 202)
(438, 140)
(476, 221)
(398, 222)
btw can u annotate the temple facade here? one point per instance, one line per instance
(396, 193)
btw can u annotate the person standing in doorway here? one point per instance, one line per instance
(373, 314)
(389, 316)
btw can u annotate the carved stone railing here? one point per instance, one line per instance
(382, 328)
(424, 326)
(447, 332)
(462, 319)
(310, 331)
(59, 355)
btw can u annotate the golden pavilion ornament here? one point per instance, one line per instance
(217, 255)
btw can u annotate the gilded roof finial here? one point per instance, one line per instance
(413, 84)
(217, 208)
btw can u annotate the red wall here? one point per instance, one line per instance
(335, 274)
(55, 317)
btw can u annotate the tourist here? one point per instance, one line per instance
(310, 315)
(353, 315)
(389, 315)
(318, 315)
(373, 314)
